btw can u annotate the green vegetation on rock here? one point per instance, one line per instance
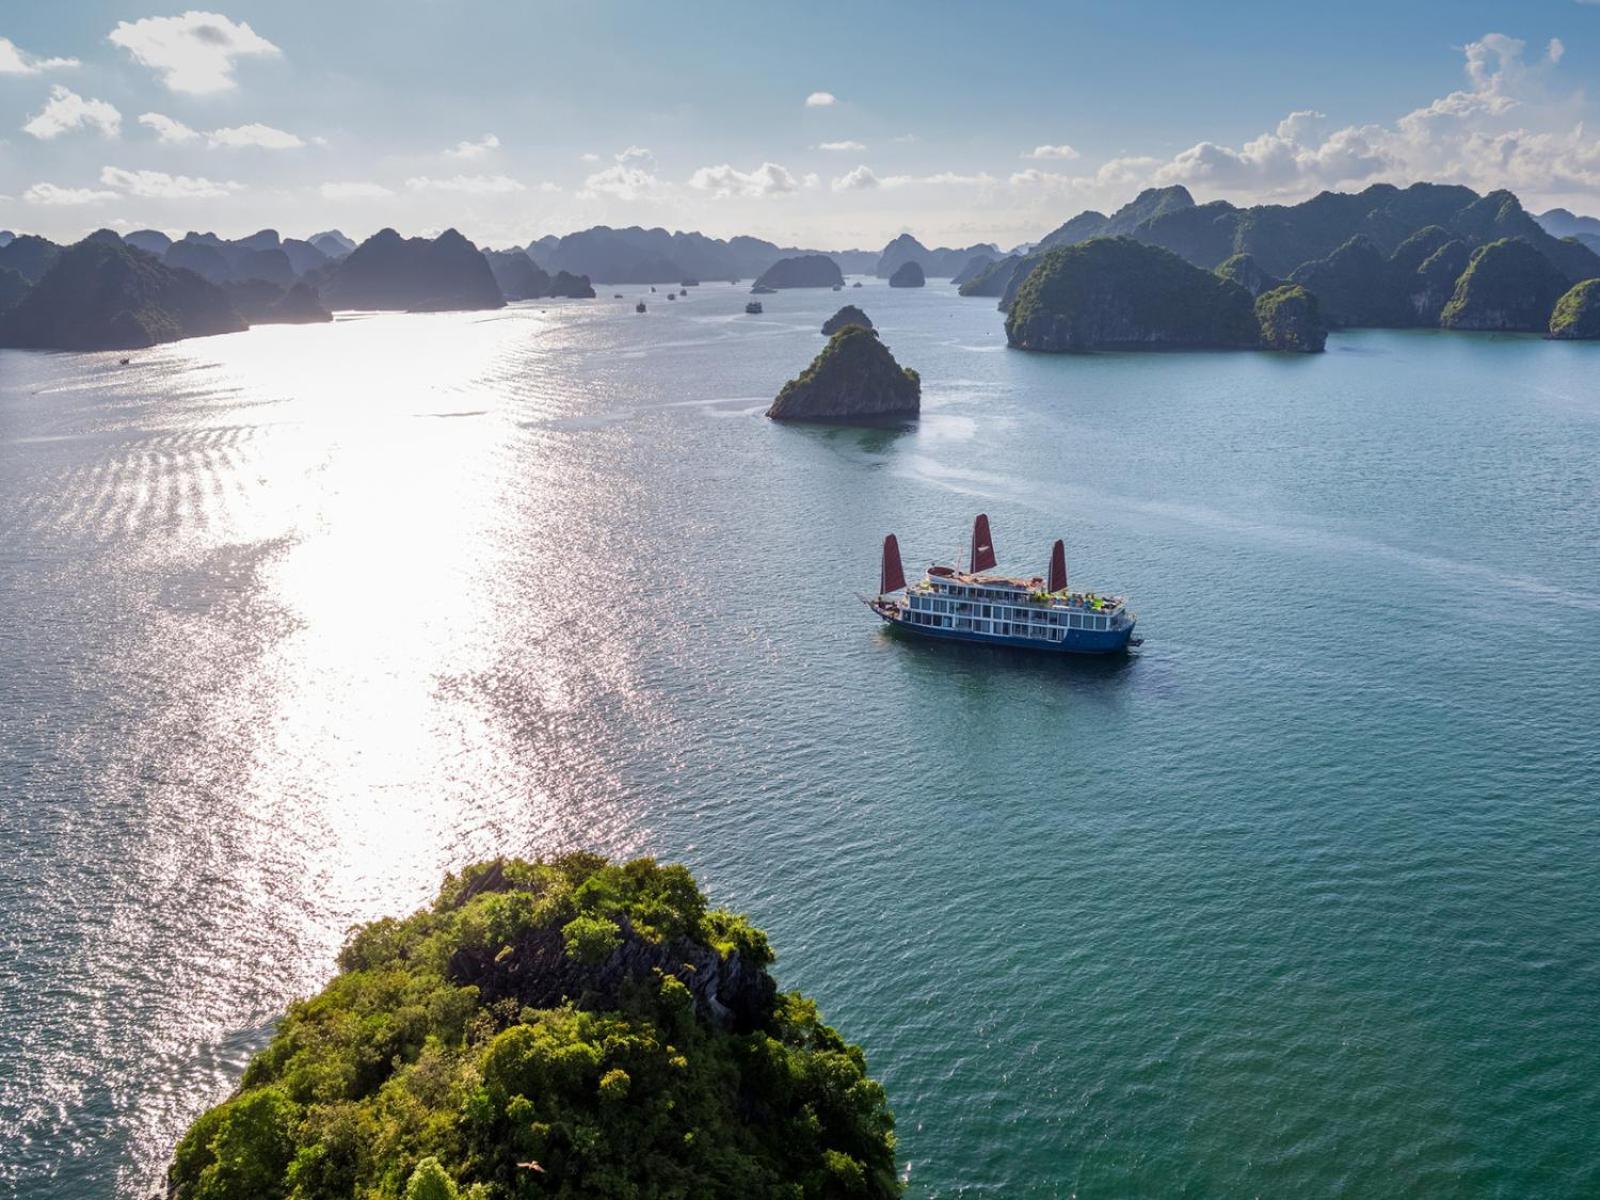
(855, 378)
(1116, 293)
(1577, 314)
(1509, 286)
(1290, 318)
(1358, 286)
(103, 295)
(571, 1029)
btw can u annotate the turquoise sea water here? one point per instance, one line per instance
(1302, 899)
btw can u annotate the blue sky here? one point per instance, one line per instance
(821, 123)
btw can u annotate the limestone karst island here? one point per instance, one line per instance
(621, 601)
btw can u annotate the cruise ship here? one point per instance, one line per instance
(975, 605)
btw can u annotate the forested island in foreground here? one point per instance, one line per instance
(1428, 255)
(570, 1028)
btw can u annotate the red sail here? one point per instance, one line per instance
(893, 576)
(982, 557)
(1058, 567)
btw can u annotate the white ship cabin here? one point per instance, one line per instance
(1006, 606)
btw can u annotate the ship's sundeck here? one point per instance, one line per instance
(1011, 589)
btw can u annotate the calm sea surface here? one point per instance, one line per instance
(1302, 899)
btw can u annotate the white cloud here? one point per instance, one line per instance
(158, 185)
(477, 149)
(194, 52)
(14, 60)
(1511, 127)
(813, 180)
(263, 136)
(1505, 130)
(472, 185)
(623, 182)
(864, 179)
(354, 190)
(948, 178)
(769, 179)
(594, 158)
(857, 147)
(166, 129)
(1062, 151)
(821, 100)
(49, 193)
(857, 180)
(637, 156)
(66, 110)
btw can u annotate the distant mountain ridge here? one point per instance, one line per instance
(941, 263)
(638, 255)
(1281, 237)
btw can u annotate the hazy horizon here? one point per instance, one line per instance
(510, 124)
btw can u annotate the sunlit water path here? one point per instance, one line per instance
(1304, 899)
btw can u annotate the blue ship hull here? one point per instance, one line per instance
(1076, 641)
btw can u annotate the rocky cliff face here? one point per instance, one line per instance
(854, 379)
(1577, 314)
(1434, 281)
(1248, 274)
(1507, 286)
(806, 270)
(99, 295)
(388, 271)
(848, 315)
(907, 275)
(1115, 293)
(539, 973)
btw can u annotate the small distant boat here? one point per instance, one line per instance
(639, 307)
(837, 286)
(689, 283)
(753, 308)
(672, 295)
(857, 283)
(652, 287)
(616, 295)
(1035, 613)
(122, 362)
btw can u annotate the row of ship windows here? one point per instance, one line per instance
(999, 628)
(1019, 615)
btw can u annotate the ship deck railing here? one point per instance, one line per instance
(1021, 595)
